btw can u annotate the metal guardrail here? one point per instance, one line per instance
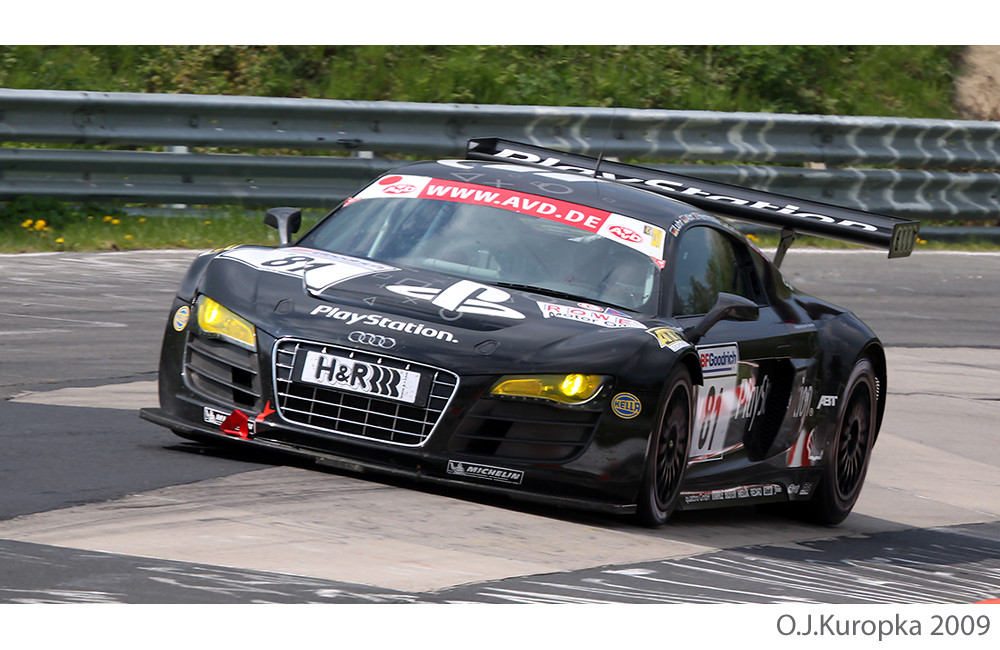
(159, 177)
(915, 168)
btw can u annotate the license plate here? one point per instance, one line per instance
(359, 377)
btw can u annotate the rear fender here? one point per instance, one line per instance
(876, 354)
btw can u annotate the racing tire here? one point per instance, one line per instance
(666, 459)
(851, 451)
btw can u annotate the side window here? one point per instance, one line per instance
(707, 265)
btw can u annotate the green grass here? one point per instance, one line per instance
(30, 225)
(886, 80)
(134, 233)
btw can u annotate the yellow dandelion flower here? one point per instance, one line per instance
(128, 236)
(921, 241)
(208, 223)
(60, 241)
(115, 222)
(107, 219)
(40, 224)
(27, 223)
(142, 219)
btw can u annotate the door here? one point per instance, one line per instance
(755, 372)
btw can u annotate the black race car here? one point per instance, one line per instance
(547, 325)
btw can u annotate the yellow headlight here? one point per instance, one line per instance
(213, 318)
(565, 389)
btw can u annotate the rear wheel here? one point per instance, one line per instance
(847, 466)
(666, 460)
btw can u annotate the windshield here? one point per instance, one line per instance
(499, 246)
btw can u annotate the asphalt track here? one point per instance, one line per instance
(99, 506)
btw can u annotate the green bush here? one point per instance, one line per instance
(889, 80)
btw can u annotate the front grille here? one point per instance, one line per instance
(222, 372)
(337, 411)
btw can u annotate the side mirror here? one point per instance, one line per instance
(727, 307)
(286, 221)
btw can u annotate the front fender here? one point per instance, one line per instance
(188, 288)
(660, 351)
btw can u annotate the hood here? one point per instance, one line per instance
(429, 316)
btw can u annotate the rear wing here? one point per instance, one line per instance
(793, 216)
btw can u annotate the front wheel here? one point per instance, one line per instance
(845, 470)
(666, 460)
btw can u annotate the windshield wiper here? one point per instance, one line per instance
(555, 293)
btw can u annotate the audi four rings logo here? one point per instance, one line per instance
(377, 340)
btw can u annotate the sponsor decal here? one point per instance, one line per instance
(806, 451)
(464, 297)
(669, 338)
(356, 376)
(633, 233)
(626, 405)
(378, 320)
(803, 490)
(643, 237)
(395, 185)
(181, 317)
(675, 227)
(719, 360)
(802, 407)
(742, 492)
(213, 416)
(587, 314)
(751, 399)
(486, 472)
(318, 269)
(621, 232)
(717, 400)
(827, 400)
(655, 235)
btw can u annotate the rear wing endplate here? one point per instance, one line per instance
(792, 215)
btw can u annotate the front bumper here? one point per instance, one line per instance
(581, 459)
(419, 469)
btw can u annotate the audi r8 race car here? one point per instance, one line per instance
(546, 325)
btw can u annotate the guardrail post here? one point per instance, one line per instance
(181, 149)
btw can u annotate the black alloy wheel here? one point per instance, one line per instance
(667, 457)
(851, 451)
